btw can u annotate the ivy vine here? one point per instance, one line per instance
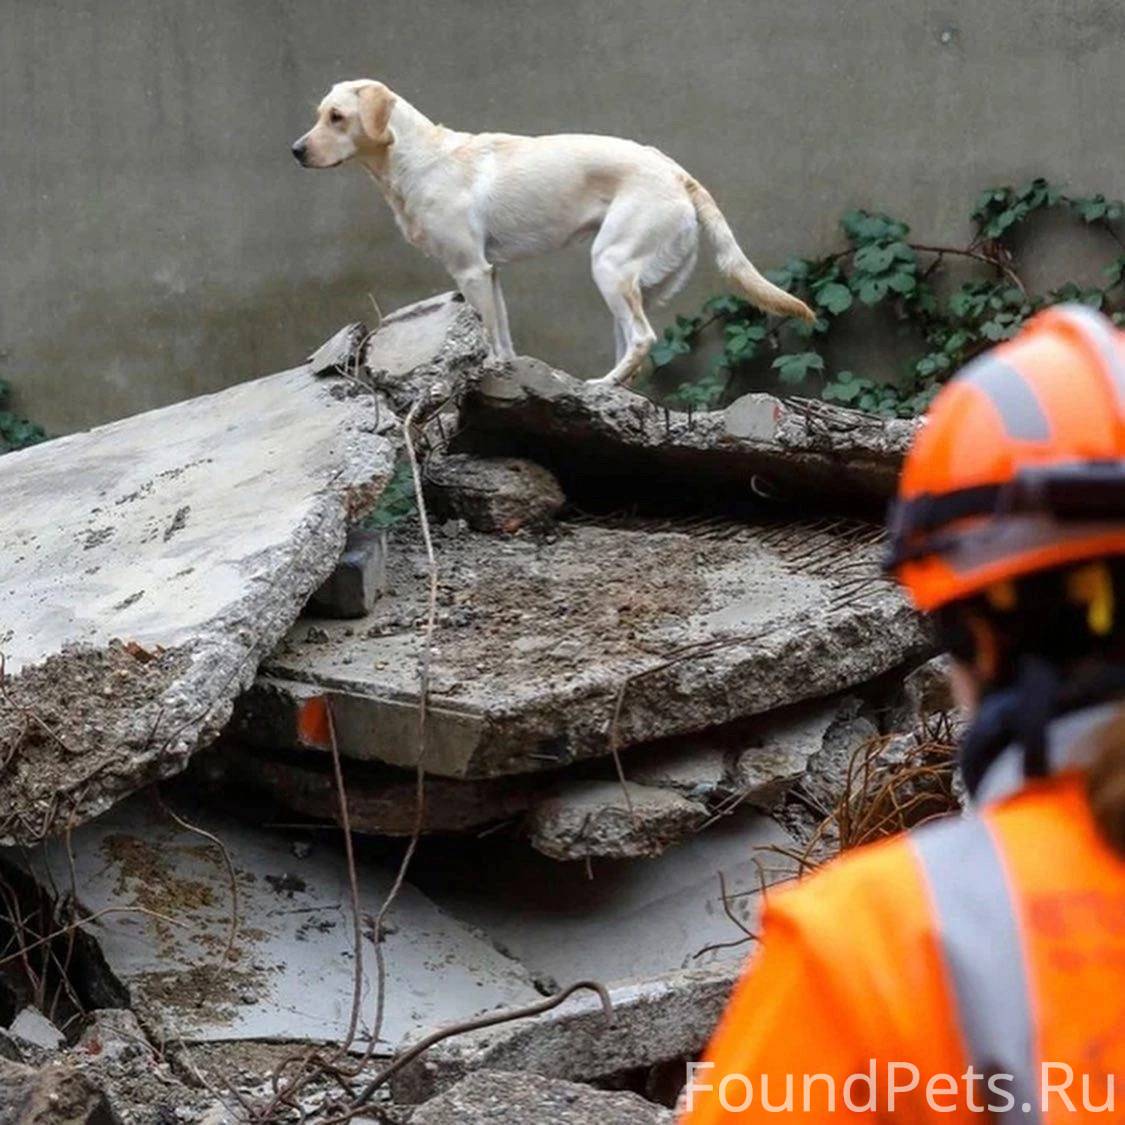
(881, 267)
(16, 432)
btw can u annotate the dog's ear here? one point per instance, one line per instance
(375, 105)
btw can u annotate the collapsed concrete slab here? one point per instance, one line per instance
(599, 438)
(150, 564)
(506, 1096)
(498, 494)
(700, 623)
(633, 919)
(654, 1022)
(289, 974)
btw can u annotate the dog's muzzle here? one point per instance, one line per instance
(300, 151)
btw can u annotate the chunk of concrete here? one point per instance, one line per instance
(492, 494)
(33, 1027)
(290, 973)
(150, 564)
(598, 438)
(359, 578)
(435, 341)
(52, 1095)
(535, 640)
(694, 768)
(501, 1097)
(340, 353)
(612, 820)
(654, 1021)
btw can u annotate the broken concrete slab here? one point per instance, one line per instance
(31, 1026)
(290, 973)
(340, 354)
(611, 820)
(150, 565)
(358, 579)
(654, 1021)
(600, 439)
(633, 919)
(434, 341)
(505, 1096)
(703, 624)
(693, 767)
(492, 494)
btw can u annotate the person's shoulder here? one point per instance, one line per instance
(878, 881)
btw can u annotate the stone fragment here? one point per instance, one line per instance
(149, 564)
(340, 353)
(53, 1095)
(611, 820)
(359, 579)
(115, 1035)
(654, 1021)
(492, 494)
(504, 1097)
(33, 1027)
(697, 770)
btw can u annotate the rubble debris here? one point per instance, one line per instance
(33, 1027)
(52, 1095)
(633, 919)
(598, 438)
(381, 800)
(613, 820)
(340, 353)
(492, 494)
(438, 340)
(654, 1021)
(192, 535)
(536, 639)
(927, 691)
(503, 1096)
(825, 781)
(691, 766)
(358, 579)
(290, 971)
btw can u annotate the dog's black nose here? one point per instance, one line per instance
(299, 151)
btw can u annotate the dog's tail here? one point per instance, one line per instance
(735, 265)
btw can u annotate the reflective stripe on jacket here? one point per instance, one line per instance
(995, 942)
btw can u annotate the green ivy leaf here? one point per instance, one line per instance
(796, 366)
(834, 297)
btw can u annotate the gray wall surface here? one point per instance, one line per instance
(157, 240)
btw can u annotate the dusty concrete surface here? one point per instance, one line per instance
(290, 972)
(503, 1097)
(706, 623)
(150, 564)
(599, 438)
(51, 1096)
(653, 1022)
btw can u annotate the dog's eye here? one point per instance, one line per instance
(335, 117)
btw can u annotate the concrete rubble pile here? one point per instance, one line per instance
(661, 643)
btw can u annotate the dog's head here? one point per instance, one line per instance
(353, 119)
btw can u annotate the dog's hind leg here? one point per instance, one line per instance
(622, 293)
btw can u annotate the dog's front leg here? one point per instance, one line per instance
(476, 287)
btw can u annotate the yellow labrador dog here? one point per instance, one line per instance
(477, 200)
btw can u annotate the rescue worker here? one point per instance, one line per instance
(976, 966)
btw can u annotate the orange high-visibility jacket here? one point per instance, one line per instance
(995, 941)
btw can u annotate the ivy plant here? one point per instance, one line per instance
(881, 267)
(16, 432)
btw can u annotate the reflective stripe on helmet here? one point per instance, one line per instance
(1011, 395)
(980, 942)
(1096, 329)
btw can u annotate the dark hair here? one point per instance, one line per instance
(1070, 620)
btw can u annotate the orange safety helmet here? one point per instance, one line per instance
(1020, 464)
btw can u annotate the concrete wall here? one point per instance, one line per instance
(158, 240)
